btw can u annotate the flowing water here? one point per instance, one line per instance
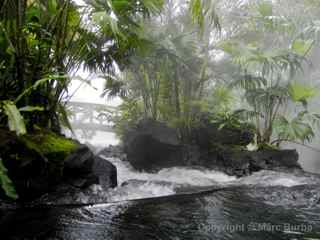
(180, 203)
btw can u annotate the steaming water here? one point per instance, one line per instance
(176, 180)
(180, 203)
(135, 185)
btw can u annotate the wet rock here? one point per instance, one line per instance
(36, 170)
(208, 133)
(25, 166)
(83, 168)
(231, 161)
(78, 168)
(106, 173)
(80, 161)
(274, 160)
(240, 162)
(159, 131)
(152, 145)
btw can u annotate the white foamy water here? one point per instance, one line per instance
(175, 175)
(139, 191)
(133, 184)
(272, 178)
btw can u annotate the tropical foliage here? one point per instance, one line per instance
(238, 61)
(167, 80)
(42, 43)
(189, 69)
(268, 76)
(6, 183)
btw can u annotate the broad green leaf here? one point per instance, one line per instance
(301, 92)
(6, 183)
(32, 12)
(296, 129)
(303, 131)
(15, 120)
(107, 23)
(302, 47)
(74, 18)
(265, 9)
(39, 83)
(120, 6)
(52, 6)
(31, 109)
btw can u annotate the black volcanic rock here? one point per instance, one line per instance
(274, 160)
(152, 145)
(106, 173)
(34, 170)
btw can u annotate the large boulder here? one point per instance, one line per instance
(277, 160)
(83, 188)
(78, 168)
(26, 167)
(41, 162)
(240, 162)
(83, 168)
(231, 161)
(106, 173)
(158, 130)
(79, 161)
(208, 133)
(152, 145)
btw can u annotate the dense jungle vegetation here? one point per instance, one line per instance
(241, 61)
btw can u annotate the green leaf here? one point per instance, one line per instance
(6, 183)
(302, 47)
(265, 9)
(15, 120)
(31, 109)
(32, 12)
(39, 83)
(52, 6)
(204, 9)
(296, 129)
(154, 6)
(301, 92)
(63, 115)
(196, 12)
(107, 23)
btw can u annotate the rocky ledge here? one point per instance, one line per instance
(151, 146)
(50, 166)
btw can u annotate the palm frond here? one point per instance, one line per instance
(6, 183)
(249, 81)
(202, 10)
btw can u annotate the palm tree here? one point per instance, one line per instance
(268, 71)
(49, 39)
(168, 78)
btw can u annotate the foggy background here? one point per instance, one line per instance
(230, 10)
